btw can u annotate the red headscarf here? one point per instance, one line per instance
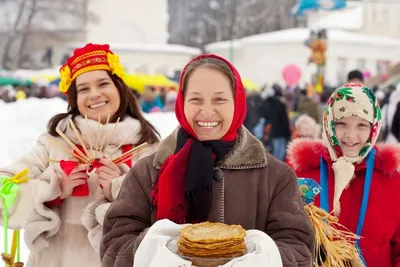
(240, 102)
(183, 191)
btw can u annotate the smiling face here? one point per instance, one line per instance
(209, 103)
(97, 95)
(352, 133)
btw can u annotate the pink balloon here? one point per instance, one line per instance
(291, 74)
(155, 109)
(367, 75)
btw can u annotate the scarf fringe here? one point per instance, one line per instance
(198, 204)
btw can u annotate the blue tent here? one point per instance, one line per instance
(55, 82)
(307, 5)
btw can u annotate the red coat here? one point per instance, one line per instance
(380, 242)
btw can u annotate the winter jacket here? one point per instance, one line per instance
(68, 234)
(380, 236)
(275, 113)
(253, 189)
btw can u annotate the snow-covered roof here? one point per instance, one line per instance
(144, 47)
(300, 35)
(234, 43)
(350, 18)
(60, 19)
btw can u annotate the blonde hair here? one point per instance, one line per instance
(306, 126)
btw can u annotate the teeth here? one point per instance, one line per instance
(207, 124)
(98, 105)
(350, 144)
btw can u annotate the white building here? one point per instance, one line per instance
(135, 29)
(129, 21)
(374, 17)
(138, 32)
(150, 58)
(262, 57)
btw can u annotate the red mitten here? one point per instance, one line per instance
(68, 167)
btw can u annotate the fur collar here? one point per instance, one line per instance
(248, 152)
(304, 155)
(126, 132)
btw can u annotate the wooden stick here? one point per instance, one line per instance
(129, 157)
(72, 145)
(63, 148)
(14, 245)
(112, 133)
(53, 160)
(104, 134)
(97, 135)
(89, 135)
(78, 135)
(121, 144)
(131, 151)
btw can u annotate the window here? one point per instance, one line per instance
(341, 70)
(361, 64)
(382, 66)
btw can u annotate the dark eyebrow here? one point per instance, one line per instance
(97, 81)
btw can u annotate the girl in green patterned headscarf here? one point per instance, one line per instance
(352, 121)
(359, 181)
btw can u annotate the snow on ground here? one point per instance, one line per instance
(23, 121)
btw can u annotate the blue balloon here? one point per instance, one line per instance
(306, 5)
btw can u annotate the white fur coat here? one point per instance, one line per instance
(68, 235)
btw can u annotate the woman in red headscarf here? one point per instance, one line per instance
(209, 169)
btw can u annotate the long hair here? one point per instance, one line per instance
(129, 105)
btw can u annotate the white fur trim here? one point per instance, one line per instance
(101, 211)
(116, 186)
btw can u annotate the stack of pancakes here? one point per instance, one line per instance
(212, 241)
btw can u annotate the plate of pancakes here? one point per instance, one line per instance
(210, 244)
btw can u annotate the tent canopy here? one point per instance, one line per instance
(139, 82)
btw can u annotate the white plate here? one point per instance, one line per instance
(209, 262)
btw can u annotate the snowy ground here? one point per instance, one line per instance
(22, 122)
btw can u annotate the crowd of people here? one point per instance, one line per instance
(277, 115)
(97, 205)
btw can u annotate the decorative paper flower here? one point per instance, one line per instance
(115, 65)
(65, 79)
(309, 189)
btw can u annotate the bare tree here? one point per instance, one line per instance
(49, 19)
(13, 32)
(25, 32)
(230, 19)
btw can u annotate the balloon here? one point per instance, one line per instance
(367, 75)
(291, 74)
(155, 109)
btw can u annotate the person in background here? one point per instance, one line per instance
(388, 112)
(162, 93)
(274, 111)
(254, 101)
(170, 100)
(308, 106)
(306, 127)
(355, 76)
(150, 101)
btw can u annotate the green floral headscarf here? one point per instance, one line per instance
(351, 100)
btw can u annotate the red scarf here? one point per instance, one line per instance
(168, 194)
